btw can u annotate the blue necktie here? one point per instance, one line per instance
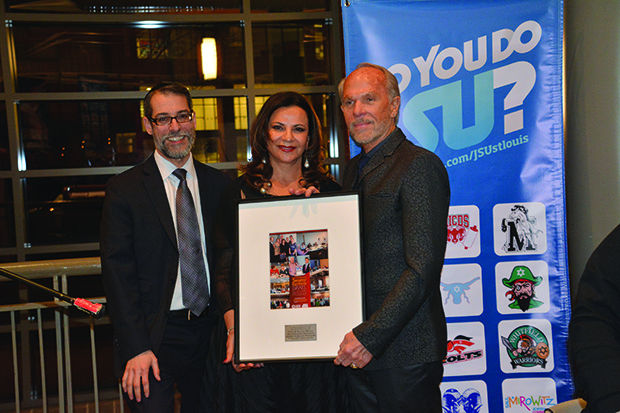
(193, 272)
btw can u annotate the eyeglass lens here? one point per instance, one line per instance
(180, 118)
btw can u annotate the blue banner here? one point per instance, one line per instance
(481, 86)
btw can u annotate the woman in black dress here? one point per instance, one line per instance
(286, 160)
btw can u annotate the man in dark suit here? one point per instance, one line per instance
(396, 354)
(157, 254)
(593, 338)
(306, 267)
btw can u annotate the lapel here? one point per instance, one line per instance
(387, 149)
(203, 187)
(155, 188)
(350, 172)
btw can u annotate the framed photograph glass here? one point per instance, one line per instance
(300, 276)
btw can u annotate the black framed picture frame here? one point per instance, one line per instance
(300, 286)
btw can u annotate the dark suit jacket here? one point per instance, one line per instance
(139, 256)
(594, 333)
(405, 198)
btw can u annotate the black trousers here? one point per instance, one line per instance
(406, 389)
(182, 361)
(299, 387)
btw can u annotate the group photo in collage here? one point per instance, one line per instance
(299, 269)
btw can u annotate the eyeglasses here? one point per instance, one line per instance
(166, 120)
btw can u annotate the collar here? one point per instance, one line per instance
(166, 167)
(365, 157)
(386, 147)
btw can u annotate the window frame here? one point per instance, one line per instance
(18, 172)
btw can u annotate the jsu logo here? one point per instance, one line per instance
(448, 98)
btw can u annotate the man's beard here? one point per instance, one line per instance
(379, 130)
(161, 144)
(524, 302)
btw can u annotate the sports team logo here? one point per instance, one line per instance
(522, 286)
(520, 228)
(457, 350)
(461, 290)
(469, 401)
(527, 346)
(463, 232)
(531, 395)
(458, 291)
(464, 397)
(465, 349)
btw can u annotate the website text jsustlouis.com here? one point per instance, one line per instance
(477, 153)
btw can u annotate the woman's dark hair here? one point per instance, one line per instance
(259, 170)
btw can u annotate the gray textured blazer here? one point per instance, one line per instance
(405, 198)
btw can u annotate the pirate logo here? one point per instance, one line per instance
(457, 291)
(521, 230)
(521, 284)
(527, 346)
(455, 402)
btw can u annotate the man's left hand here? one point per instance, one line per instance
(352, 352)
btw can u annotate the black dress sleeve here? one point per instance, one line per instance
(329, 185)
(225, 239)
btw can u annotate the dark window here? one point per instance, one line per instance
(7, 221)
(73, 134)
(54, 57)
(293, 53)
(272, 6)
(64, 210)
(5, 162)
(125, 6)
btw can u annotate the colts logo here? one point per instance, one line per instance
(458, 345)
(457, 291)
(459, 231)
(455, 402)
(521, 230)
(527, 346)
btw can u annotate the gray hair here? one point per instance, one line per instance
(391, 83)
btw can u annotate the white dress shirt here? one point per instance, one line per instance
(171, 183)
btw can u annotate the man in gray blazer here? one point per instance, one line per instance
(395, 356)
